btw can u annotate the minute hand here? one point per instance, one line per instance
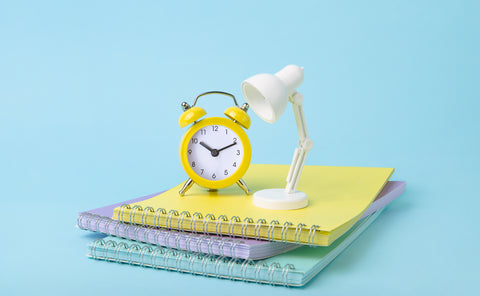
(234, 143)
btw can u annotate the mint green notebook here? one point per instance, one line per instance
(294, 268)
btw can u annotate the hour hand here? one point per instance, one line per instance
(214, 152)
(206, 146)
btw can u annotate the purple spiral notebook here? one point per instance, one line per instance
(100, 220)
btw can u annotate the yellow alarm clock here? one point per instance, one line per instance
(215, 152)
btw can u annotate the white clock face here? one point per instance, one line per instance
(215, 152)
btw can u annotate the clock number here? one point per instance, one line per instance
(201, 173)
(214, 176)
(215, 128)
(225, 172)
(203, 131)
(189, 151)
(235, 164)
(235, 139)
(194, 140)
(226, 131)
(193, 164)
(238, 152)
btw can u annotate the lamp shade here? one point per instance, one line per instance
(268, 94)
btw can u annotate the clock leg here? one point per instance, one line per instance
(186, 186)
(243, 185)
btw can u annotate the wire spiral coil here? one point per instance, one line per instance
(135, 215)
(203, 264)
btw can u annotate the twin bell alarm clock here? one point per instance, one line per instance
(215, 151)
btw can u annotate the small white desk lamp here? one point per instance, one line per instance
(268, 96)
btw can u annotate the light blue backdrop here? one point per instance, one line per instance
(90, 95)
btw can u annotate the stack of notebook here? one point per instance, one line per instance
(222, 234)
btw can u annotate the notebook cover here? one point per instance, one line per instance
(338, 196)
(294, 268)
(99, 220)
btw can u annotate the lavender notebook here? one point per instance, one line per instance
(100, 220)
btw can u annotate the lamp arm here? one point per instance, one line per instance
(297, 103)
(304, 143)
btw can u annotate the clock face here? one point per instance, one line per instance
(215, 152)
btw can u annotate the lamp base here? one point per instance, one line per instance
(278, 199)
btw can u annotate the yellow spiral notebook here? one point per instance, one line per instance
(337, 196)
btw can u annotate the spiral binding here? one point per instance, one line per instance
(230, 266)
(204, 264)
(116, 230)
(181, 218)
(126, 230)
(217, 264)
(106, 246)
(142, 254)
(166, 238)
(117, 249)
(171, 214)
(258, 225)
(233, 247)
(271, 227)
(167, 255)
(177, 241)
(178, 260)
(311, 234)
(93, 247)
(156, 217)
(155, 254)
(221, 246)
(187, 242)
(271, 270)
(107, 224)
(97, 225)
(206, 220)
(283, 236)
(156, 235)
(210, 243)
(193, 258)
(286, 268)
(131, 251)
(218, 225)
(136, 230)
(170, 259)
(234, 219)
(245, 223)
(298, 232)
(184, 241)
(193, 221)
(243, 268)
(133, 211)
(162, 218)
(258, 269)
(200, 241)
(145, 213)
(146, 234)
(122, 211)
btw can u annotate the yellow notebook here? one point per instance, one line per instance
(337, 198)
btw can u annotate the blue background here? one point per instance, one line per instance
(90, 95)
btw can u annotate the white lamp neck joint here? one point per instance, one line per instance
(296, 98)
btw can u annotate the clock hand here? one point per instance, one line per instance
(214, 152)
(206, 146)
(234, 143)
